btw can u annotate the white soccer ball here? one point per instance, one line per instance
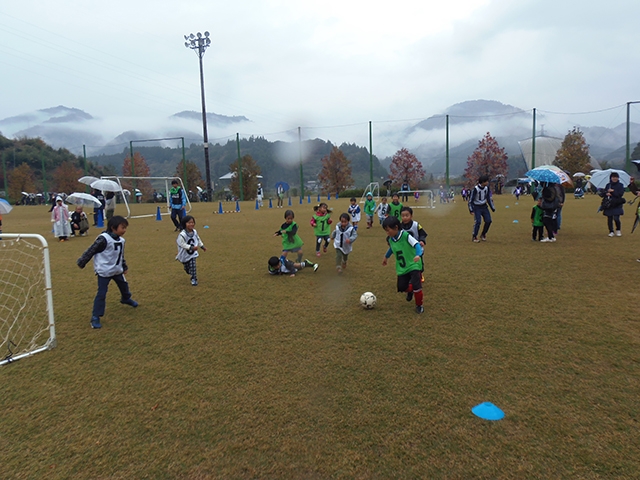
(368, 300)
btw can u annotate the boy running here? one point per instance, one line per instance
(369, 209)
(408, 253)
(321, 223)
(479, 203)
(344, 235)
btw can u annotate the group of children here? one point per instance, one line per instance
(405, 238)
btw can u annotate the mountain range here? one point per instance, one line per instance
(71, 128)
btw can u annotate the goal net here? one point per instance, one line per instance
(26, 302)
(142, 196)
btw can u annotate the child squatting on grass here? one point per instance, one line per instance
(188, 244)
(109, 264)
(282, 266)
(408, 254)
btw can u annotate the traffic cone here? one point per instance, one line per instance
(158, 215)
(100, 221)
(308, 198)
(237, 206)
(300, 199)
(289, 201)
(270, 204)
(220, 207)
(318, 198)
(257, 204)
(328, 196)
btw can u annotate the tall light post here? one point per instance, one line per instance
(199, 43)
(627, 163)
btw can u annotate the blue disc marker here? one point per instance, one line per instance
(488, 411)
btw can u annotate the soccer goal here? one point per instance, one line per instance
(374, 188)
(26, 303)
(148, 193)
(419, 198)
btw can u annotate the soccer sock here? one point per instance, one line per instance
(410, 289)
(418, 297)
(299, 258)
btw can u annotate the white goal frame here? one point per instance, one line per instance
(11, 318)
(167, 187)
(374, 188)
(431, 202)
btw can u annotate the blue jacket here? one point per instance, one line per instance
(618, 193)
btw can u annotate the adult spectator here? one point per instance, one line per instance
(612, 202)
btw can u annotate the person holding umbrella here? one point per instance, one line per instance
(98, 212)
(612, 202)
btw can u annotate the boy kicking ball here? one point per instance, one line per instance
(408, 252)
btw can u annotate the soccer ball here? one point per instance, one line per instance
(368, 300)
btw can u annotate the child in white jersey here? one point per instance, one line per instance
(343, 237)
(188, 245)
(108, 262)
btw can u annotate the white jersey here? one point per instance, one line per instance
(185, 242)
(110, 261)
(340, 237)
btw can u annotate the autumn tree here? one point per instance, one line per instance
(250, 172)
(635, 155)
(487, 159)
(405, 167)
(65, 178)
(573, 155)
(193, 178)
(21, 179)
(335, 174)
(140, 169)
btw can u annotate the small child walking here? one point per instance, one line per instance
(537, 221)
(291, 242)
(408, 253)
(369, 209)
(382, 209)
(188, 245)
(343, 237)
(321, 223)
(354, 211)
(549, 205)
(109, 264)
(282, 266)
(395, 206)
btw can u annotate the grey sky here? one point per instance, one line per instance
(285, 63)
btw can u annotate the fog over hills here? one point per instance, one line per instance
(469, 121)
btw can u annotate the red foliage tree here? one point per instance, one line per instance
(405, 167)
(335, 175)
(487, 159)
(140, 169)
(65, 178)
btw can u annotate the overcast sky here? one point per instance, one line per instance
(285, 63)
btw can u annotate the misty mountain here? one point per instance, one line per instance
(211, 117)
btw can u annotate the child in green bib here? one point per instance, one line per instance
(408, 252)
(291, 242)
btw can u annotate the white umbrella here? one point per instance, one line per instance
(579, 174)
(5, 207)
(88, 180)
(126, 192)
(199, 188)
(25, 193)
(106, 185)
(83, 199)
(600, 178)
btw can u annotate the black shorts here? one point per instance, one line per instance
(413, 278)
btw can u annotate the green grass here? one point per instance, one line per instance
(252, 376)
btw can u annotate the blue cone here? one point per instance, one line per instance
(237, 206)
(300, 199)
(488, 411)
(100, 221)
(289, 201)
(328, 196)
(318, 197)
(158, 215)
(270, 204)
(257, 204)
(308, 198)
(220, 207)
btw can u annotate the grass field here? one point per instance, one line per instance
(253, 376)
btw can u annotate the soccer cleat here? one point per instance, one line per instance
(618, 233)
(315, 267)
(339, 270)
(483, 238)
(475, 240)
(324, 249)
(419, 309)
(409, 296)
(194, 282)
(95, 322)
(553, 239)
(545, 239)
(318, 254)
(131, 302)
(611, 234)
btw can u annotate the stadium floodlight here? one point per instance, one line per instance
(199, 44)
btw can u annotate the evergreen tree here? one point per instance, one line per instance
(250, 172)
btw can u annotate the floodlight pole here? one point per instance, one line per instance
(370, 155)
(447, 148)
(199, 43)
(301, 175)
(627, 164)
(84, 154)
(239, 167)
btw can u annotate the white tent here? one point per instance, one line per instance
(231, 175)
(546, 150)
